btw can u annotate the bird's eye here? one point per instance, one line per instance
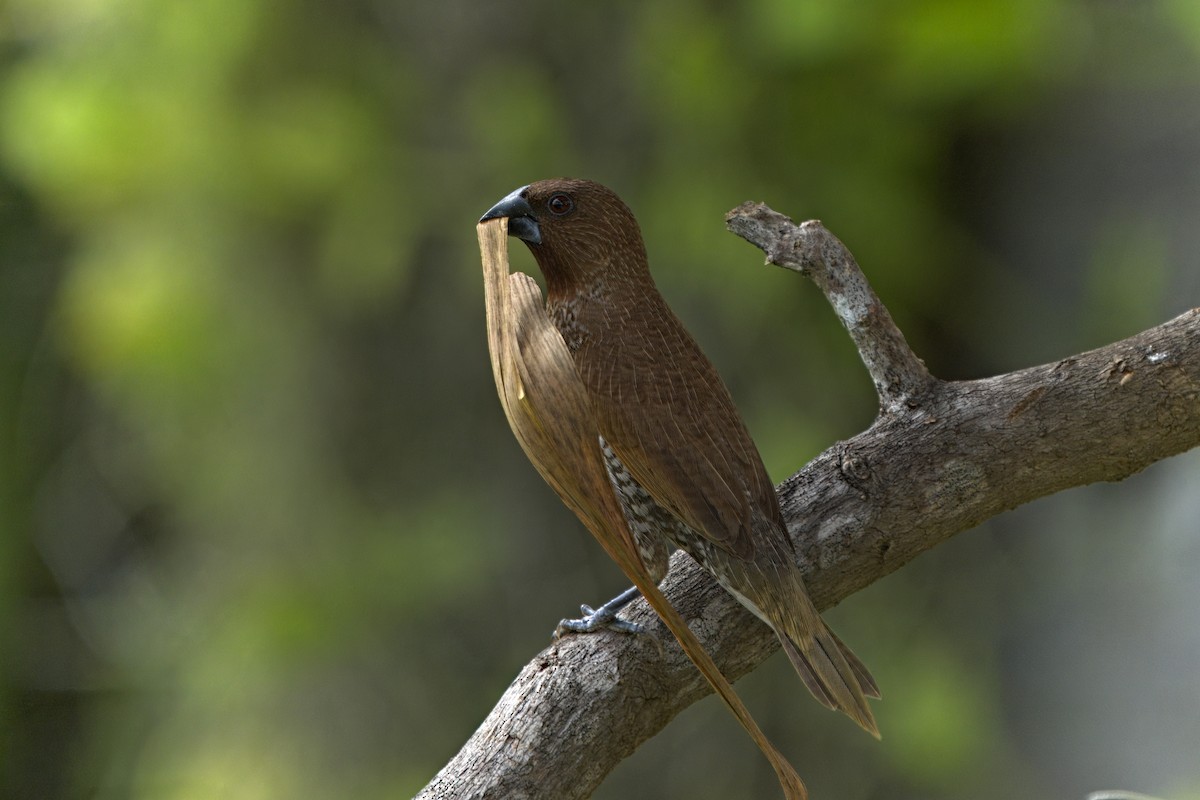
(560, 205)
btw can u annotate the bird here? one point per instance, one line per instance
(550, 416)
(678, 455)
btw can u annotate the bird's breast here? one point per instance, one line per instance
(565, 316)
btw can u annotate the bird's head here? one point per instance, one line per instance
(576, 229)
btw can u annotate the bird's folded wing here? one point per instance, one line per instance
(683, 440)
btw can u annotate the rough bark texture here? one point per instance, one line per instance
(941, 458)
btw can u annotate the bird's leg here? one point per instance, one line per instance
(603, 617)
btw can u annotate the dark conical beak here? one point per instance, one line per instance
(521, 222)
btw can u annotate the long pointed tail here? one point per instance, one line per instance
(834, 675)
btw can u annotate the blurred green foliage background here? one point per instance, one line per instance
(263, 530)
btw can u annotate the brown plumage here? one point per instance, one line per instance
(678, 454)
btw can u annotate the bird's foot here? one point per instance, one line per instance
(596, 619)
(605, 616)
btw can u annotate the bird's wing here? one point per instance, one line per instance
(674, 426)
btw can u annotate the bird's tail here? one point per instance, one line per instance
(774, 590)
(829, 669)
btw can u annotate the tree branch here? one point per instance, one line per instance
(941, 458)
(810, 249)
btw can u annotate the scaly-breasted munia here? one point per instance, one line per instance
(679, 457)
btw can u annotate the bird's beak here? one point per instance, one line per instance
(521, 222)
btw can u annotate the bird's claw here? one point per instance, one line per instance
(596, 619)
